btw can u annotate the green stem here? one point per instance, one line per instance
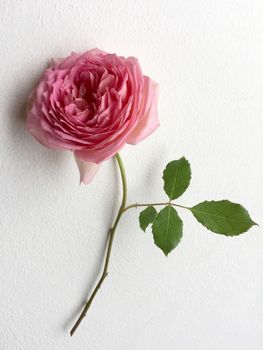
(112, 231)
(111, 237)
(154, 204)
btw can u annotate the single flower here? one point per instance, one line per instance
(93, 104)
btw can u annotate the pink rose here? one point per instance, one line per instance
(92, 104)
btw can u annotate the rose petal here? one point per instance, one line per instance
(87, 170)
(148, 121)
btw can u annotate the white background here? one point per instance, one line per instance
(207, 57)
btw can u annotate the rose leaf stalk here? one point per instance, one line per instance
(109, 248)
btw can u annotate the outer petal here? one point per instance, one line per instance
(148, 120)
(87, 170)
(32, 123)
(63, 63)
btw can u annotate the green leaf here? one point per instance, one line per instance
(167, 229)
(176, 176)
(224, 217)
(147, 217)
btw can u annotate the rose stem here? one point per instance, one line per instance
(136, 205)
(111, 237)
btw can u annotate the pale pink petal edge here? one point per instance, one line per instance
(148, 121)
(87, 170)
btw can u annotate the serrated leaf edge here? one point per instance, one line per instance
(176, 176)
(209, 229)
(166, 254)
(156, 213)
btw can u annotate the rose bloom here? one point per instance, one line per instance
(93, 104)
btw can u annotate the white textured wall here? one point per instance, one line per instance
(208, 294)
